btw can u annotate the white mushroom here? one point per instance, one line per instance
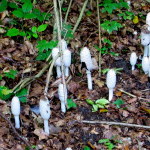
(145, 64)
(68, 148)
(15, 109)
(86, 58)
(67, 61)
(145, 41)
(149, 67)
(55, 52)
(45, 112)
(148, 19)
(63, 44)
(111, 82)
(133, 60)
(62, 93)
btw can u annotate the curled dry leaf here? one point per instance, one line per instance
(41, 134)
(99, 82)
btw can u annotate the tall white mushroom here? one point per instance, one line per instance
(15, 109)
(133, 60)
(67, 61)
(145, 41)
(55, 52)
(145, 65)
(62, 93)
(45, 112)
(86, 58)
(111, 82)
(148, 20)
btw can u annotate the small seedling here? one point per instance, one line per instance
(117, 70)
(118, 103)
(100, 103)
(71, 104)
(86, 148)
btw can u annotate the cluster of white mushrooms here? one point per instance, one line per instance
(145, 41)
(62, 64)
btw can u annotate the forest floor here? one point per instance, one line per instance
(69, 129)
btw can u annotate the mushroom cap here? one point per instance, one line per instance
(145, 64)
(44, 107)
(148, 19)
(63, 44)
(15, 106)
(86, 58)
(133, 58)
(145, 39)
(111, 79)
(67, 58)
(62, 92)
(55, 52)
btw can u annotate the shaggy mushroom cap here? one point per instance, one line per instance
(86, 58)
(145, 39)
(67, 58)
(145, 64)
(111, 79)
(148, 19)
(55, 52)
(62, 44)
(133, 58)
(15, 106)
(62, 92)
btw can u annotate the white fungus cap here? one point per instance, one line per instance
(86, 58)
(15, 106)
(148, 19)
(68, 148)
(63, 44)
(145, 39)
(62, 92)
(111, 79)
(67, 58)
(133, 58)
(145, 64)
(44, 107)
(55, 52)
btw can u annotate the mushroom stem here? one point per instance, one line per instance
(58, 71)
(133, 67)
(66, 71)
(17, 122)
(146, 49)
(110, 94)
(46, 127)
(63, 107)
(89, 78)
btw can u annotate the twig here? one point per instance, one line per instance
(99, 35)
(115, 123)
(80, 16)
(66, 17)
(148, 100)
(14, 130)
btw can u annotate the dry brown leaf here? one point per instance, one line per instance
(41, 134)
(98, 82)
(118, 93)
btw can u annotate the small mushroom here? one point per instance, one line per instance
(145, 64)
(86, 58)
(133, 60)
(148, 19)
(62, 93)
(62, 44)
(15, 109)
(145, 41)
(67, 61)
(45, 112)
(111, 82)
(55, 52)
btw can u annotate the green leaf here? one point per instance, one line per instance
(95, 108)
(22, 95)
(27, 6)
(13, 32)
(34, 29)
(29, 16)
(43, 56)
(12, 5)
(5, 93)
(18, 13)
(103, 141)
(1, 77)
(71, 104)
(11, 74)
(3, 5)
(118, 103)
(42, 27)
(86, 148)
(35, 35)
(104, 71)
(102, 101)
(89, 101)
(22, 33)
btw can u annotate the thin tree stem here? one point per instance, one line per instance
(66, 17)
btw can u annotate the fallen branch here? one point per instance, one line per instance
(115, 123)
(14, 130)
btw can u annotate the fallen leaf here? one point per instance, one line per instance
(41, 134)
(99, 82)
(118, 93)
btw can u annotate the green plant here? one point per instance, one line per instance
(86, 148)
(100, 103)
(117, 70)
(44, 49)
(127, 15)
(109, 143)
(71, 104)
(5, 93)
(22, 94)
(111, 26)
(118, 103)
(11, 74)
